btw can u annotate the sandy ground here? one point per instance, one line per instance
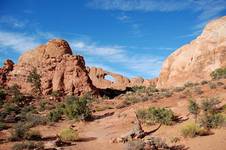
(112, 123)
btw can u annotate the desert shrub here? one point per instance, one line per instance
(209, 105)
(198, 90)
(138, 89)
(2, 96)
(17, 96)
(187, 92)
(212, 121)
(3, 126)
(69, 135)
(56, 93)
(220, 83)
(151, 89)
(10, 107)
(156, 115)
(133, 99)
(28, 146)
(212, 85)
(166, 93)
(135, 145)
(189, 84)
(35, 79)
(179, 89)
(193, 108)
(19, 132)
(204, 82)
(34, 120)
(218, 73)
(42, 105)
(191, 130)
(33, 135)
(55, 115)
(77, 108)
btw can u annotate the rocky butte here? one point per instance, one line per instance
(195, 61)
(58, 68)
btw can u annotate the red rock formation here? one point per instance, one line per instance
(4, 71)
(195, 61)
(59, 69)
(97, 75)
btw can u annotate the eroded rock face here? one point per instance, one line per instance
(4, 71)
(59, 70)
(195, 61)
(98, 77)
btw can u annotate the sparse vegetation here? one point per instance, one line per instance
(155, 115)
(209, 121)
(218, 73)
(191, 130)
(77, 108)
(28, 146)
(135, 145)
(69, 135)
(73, 108)
(17, 96)
(193, 108)
(55, 115)
(204, 82)
(35, 79)
(212, 85)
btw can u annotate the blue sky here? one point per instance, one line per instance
(130, 37)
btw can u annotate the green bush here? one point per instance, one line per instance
(218, 73)
(212, 85)
(204, 82)
(189, 84)
(2, 96)
(35, 79)
(68, 135)
(28, 146)
(209, 105)
(55, 115)
(19, 132)
(42, 105)
(212, 120)
(193, 108)
(191, 130)
(17, 96)
(3, 126)
(156, 115)
(179, 89)
(33, 135)
(34, 120)
(77, 108)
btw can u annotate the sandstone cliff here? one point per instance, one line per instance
(59, 69)
(195, 61)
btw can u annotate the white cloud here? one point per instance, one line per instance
(207, 9)
(17, 41)
(137, 63)
(139, 5)
(12, 21)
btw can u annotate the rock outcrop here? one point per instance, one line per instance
(4, 71)
(59, 70)
(195, 61)
(98, 77)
